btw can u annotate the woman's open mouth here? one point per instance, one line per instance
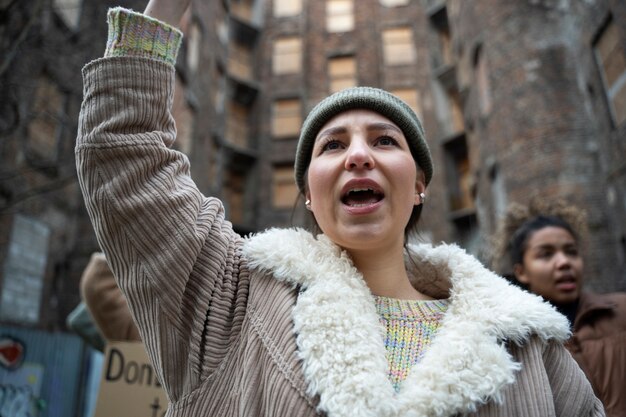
(362, 197)
(566, 284)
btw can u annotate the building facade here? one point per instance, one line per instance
(518, 99)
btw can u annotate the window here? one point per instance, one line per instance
(448, 109)
(467, 234)
(284, 189)
(456, 111)
(48, 118)
(339, 15)
(286, 118)
(459, 177)
(394, 3)
(398, 46)
(460, 184)
(240, 61)
(442, 52)
(237, 130)
(285, 8)
(24, 270)
(445, 47)
(287, 56)
(234, 196)
(612, 61)
(342, 73)
(411, 97)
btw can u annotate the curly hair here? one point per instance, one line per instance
(515, 228)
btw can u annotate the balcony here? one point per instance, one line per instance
(246, 14)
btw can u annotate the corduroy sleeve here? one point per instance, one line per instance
(173, 253)
(572, 392)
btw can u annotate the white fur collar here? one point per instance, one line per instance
(340, 340)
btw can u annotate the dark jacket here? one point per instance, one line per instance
(598, 345)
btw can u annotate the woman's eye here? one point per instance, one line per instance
(387, 141)
(331, 145)
(544, 254)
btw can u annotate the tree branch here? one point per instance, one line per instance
(37, 191)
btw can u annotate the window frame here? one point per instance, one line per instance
(279, 12)
(616, 120)
(283, 69)
(392, 58)
(340, 77)
(334, 23)
(278, 134)
(287, 180)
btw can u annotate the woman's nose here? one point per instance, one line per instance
(562, 260)
(359, 156)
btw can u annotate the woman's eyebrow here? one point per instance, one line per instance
(332, 131)
(544, 246)
(383, 126)
(338, 130)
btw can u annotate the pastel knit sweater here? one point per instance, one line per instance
(410, 326)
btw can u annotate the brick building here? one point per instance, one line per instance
(44, 240)
(46, 237)
(543, 93)
(518, 98)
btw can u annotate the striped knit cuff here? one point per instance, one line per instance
(135, 34)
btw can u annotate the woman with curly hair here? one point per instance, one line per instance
(542, 245)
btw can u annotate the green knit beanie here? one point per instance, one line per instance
(368, 98)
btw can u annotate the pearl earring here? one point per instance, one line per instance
(307, 204)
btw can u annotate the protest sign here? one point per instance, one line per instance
(129, 386)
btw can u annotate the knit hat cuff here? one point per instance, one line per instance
(367, 98)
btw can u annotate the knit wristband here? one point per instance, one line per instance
(135, 34)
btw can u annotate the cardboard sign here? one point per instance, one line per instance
(129, 386)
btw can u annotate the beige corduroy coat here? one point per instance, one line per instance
(282, 324)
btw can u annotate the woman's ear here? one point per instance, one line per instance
(520, 273)
(307, 200)
(420, 187)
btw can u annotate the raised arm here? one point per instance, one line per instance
(173, 253)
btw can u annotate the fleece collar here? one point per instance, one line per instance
(340, 338)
